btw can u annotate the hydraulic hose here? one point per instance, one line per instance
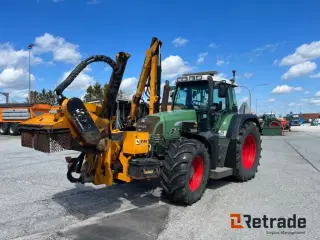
(81, 66)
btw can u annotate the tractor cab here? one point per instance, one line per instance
(209, 95)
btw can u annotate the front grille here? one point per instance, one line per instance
(46, 141)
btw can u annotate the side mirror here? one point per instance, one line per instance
(234, 108)
(222, 91)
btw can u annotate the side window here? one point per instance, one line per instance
(234, 97)
(219, 103)
(181, 97)
(200, 95)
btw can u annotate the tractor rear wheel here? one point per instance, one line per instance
(4, 128)
(274, 124)
(185, 171)
(248, 152)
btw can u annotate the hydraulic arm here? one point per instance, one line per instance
(149, 81)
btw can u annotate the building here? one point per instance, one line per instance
(308, 116)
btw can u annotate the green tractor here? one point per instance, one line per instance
(203, 137)
(271, 126)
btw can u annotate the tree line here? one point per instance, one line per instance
(93, 93)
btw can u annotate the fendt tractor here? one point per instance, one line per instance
(202, 137)
(271, 125)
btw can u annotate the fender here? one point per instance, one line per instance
(210, 140)
(237, 121)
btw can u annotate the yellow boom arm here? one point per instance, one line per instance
(151, 69)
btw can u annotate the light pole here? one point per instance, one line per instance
(250, 90)
(30, 46)
(6, 95)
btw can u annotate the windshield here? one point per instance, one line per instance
(191, 96)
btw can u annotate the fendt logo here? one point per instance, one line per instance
(239, 221)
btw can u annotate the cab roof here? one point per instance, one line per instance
(203, 76)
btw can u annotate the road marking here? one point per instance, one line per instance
(302, 156)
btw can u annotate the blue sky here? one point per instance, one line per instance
(271, 42)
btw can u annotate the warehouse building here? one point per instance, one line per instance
(310, 116)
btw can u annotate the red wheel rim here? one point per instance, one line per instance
(197, 173)
(249, 152)
(274, 124)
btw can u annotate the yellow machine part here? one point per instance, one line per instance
(134, 143)
(57, 120)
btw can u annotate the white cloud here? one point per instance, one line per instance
(15, 78)
(292, 60)
(310, 51)
(62, 50)
(244, 99)
(128, 84)
(294, 104)
(265, 48)
(317, 94)
(81, 82)
(317, 75)
(180, 42)
(212, 45)
(15, 95)
(314, 101)
(300, 69)
(305, 52)
(286, 89)
(173, 66)
(220, 62)
(306, 92)
(201, 57)
(271, 99)
(248, 75)
(67, 53)
(9, 57)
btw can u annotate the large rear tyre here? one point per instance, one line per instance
(274, 124)
(248, 152)
(185, 171)
(14, 129)
(4, 128)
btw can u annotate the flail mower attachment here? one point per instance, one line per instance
(46, 141)
(75, 125)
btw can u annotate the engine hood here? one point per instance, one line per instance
(167, 124)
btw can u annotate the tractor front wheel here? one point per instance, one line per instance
(248, 152)
(185, 171)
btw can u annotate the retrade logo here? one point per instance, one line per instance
(235, 220)
(238, 221)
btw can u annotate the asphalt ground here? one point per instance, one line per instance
(38, 202)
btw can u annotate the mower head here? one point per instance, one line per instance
(75, 125)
